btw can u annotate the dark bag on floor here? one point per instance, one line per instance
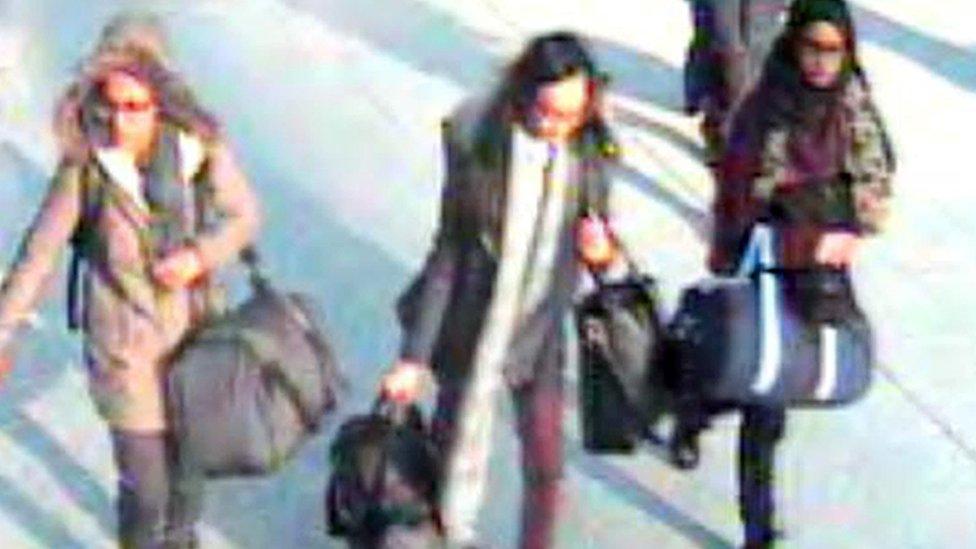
(385, 472)
(619, 333)
(248, 387)
(775, 337)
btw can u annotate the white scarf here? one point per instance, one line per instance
(122, 171)
(524, 274)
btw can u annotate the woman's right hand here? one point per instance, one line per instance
(836, 249)
(407, 381)
(595, 243)
(6, 364)
(6, 352)
(178, 269)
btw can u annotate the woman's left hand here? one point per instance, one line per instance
(836, 249)
(178, 269)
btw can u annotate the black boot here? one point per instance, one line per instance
(761, 430)
(691, 419)
(683, 449)
(761, 537)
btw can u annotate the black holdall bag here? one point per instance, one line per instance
(249, 386)
(386, 472)
(775, 337)
(620, 334)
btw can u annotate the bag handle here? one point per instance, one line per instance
(257, 277)
(294, 395)
(759, 254)
(599, 276)
(320, 347)
(592, 197)
(401, 415)
(759, 259)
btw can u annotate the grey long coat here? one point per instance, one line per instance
(443, 310)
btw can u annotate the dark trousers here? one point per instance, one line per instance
(761, 429)
(739, 35)
(538, 408)
(158, 503)
(423, 536)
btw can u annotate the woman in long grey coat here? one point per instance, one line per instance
(522, 170)
(132, 138)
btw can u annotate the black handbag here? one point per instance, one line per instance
(775, 337)
(620, 335)
(249, 386)
(386, 471)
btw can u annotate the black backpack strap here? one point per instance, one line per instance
(90, 196)
(74, 289)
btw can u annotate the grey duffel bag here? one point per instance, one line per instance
(250, 386)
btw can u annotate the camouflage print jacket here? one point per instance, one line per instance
(805, 185)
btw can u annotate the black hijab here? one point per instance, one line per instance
(788, 98)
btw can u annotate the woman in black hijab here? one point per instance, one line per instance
(808, 153)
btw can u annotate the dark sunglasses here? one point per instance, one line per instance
(107, 108)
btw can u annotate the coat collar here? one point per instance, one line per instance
(121, 169)
(490, 176)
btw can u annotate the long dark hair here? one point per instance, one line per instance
(782, 66)
(782, 72)
(546, 59)
(80, 121)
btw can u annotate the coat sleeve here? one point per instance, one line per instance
(48, 234)
(735, 206)
(858, 200)
(870, 164)
(238, 208)
(422, 306)
(597, 192)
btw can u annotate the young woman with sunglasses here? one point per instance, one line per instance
(132, 135)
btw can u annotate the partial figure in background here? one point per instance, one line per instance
(139, 157)
(730, 42)
(809, 155)
(522, 205)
